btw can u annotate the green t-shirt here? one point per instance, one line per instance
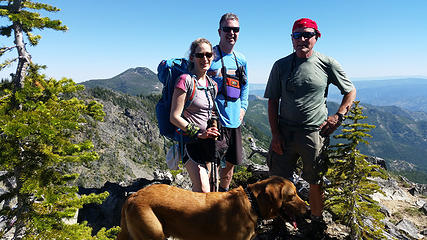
(303, 96)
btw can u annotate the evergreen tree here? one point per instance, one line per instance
(349, 194)
(24, 17)
(38, 119)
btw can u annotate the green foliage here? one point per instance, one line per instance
(38, 120)
(124, 101)
(28, 16)
(242, 175)
(37, 125)
(22, 18)
(80, 231)
(348, 196)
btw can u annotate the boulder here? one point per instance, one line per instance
(377, 161)
(392, 232)
(384, 210)
(409, 228)
(424, 208)
(418, 190)
(420, 203)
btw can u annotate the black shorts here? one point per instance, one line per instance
(229, 145)
(201, 151)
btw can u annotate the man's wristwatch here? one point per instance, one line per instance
(341, 117)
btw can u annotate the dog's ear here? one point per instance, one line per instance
(270, 198)
(288, 192)
(274, 192)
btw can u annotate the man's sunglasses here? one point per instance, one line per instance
(201, 55)
(228, 29)
(307, 35)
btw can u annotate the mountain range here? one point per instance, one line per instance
(400, 136)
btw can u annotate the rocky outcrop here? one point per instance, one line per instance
(409, 229)
(108, 213)
(377, 161)
(418, 189)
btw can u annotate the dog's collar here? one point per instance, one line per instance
(253, 202)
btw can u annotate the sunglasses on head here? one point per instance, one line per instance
(298, 35)
(201, 55)
(228, 29)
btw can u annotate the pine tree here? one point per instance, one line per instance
(24, 17)
(38, 119)
(351, 188)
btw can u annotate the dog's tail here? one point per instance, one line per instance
(124, 233)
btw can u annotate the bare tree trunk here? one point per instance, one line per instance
(24, 56)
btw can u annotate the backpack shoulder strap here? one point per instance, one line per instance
(222, 61)
(224, 76)
(212, 87)
(190, 99)
(235, 59)
(193, 88)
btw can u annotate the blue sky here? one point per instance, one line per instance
(370, 38)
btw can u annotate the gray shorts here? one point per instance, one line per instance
(299, 143)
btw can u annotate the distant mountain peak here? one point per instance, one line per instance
(137, 70)
(133, 81)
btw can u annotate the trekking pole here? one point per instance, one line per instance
(214, 177)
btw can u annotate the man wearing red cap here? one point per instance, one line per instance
(300, 127)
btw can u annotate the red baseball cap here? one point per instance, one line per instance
(306, 23)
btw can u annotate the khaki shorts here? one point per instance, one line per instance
(299, 143)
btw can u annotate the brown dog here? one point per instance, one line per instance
(160, 211)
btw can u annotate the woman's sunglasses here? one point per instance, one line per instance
(307, 35)
(201, 55)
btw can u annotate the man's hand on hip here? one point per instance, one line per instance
(330, 125)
